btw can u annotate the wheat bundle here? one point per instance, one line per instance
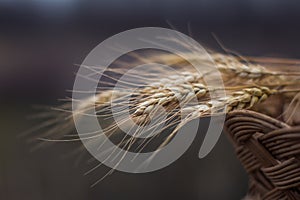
(268, 86)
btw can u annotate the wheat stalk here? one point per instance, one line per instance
(247, 85)
(170, 90)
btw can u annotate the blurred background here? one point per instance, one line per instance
(41, 41)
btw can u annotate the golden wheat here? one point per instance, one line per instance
(183, 95)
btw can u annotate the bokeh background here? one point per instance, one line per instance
(42, 40)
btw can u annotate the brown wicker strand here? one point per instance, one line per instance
(269, 150)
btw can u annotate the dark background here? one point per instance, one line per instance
(40, 43)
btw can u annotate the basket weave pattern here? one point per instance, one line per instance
(269, 150)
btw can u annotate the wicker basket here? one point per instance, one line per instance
(269, 150)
